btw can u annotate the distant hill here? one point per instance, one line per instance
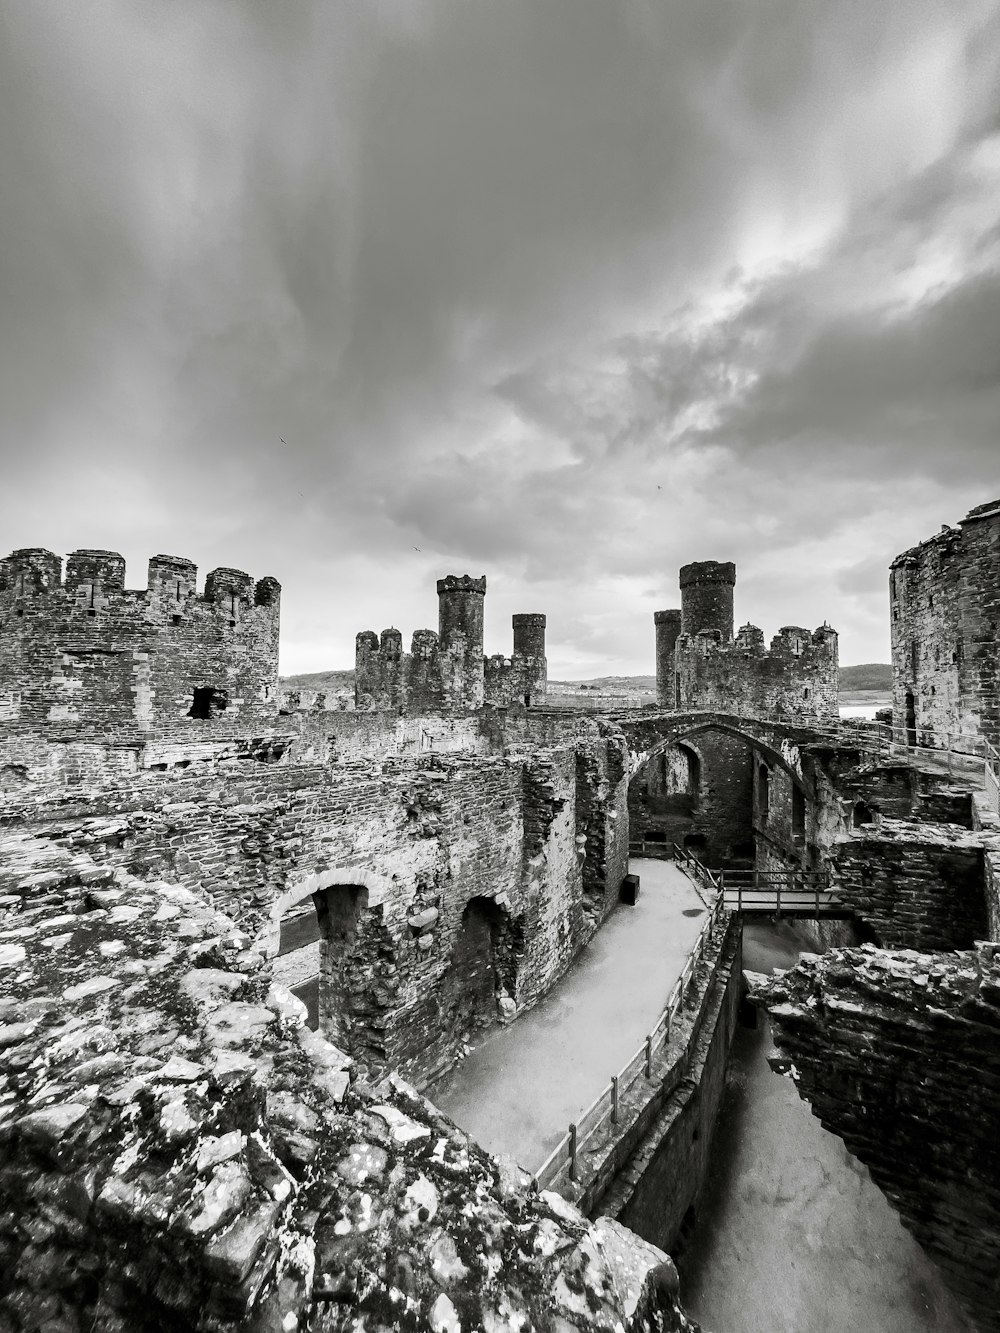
(867, 676)
(320, 680)
(609, 684)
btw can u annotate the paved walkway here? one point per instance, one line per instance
(523, 1084)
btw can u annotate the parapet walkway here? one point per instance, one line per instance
(523, 1084)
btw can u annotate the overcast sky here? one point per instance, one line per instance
(566, 292)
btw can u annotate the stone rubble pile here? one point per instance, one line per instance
(178, 1151)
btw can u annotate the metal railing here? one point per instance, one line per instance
(953, 747)
(606, 1106)
(779, 891)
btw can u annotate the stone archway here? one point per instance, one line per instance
(331, 947)
(663, 799)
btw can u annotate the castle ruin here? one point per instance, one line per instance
(446, 672)
(238, 937)
(701, 664)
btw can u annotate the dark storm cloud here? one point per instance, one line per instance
(568, 292)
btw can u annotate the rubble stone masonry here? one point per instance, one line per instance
(945, 609)
(179, 1152)
(897, 1052)
(87, 658)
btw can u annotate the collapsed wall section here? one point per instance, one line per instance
(919, 886)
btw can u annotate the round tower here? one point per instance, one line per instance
(668, 627)
(707, 597)
(529, 634)
(461, 601)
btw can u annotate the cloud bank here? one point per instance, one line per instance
(568, 294)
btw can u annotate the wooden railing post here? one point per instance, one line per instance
(614, 1100)
(572, 1153)
(649, 1057)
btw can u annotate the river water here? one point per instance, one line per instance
(791, 1235)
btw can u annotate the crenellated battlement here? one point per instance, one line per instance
(701, 664)
(446, 672)
(83, 651)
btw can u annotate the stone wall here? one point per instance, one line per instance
(85, 658)
(897, 1054)
(178, 1152)
(945, 599)
(540, 841)
(780, 811)
(335, 737)
(917, 886)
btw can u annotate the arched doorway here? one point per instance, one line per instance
(296, 964)
(862, 814)
(336, 955)
(480, 985)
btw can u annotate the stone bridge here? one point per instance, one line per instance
(647, 734)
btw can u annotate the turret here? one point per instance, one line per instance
(391, 645)
(461, 601)
(707, 597)
(668, 627)
(529, 656)
(529, 634)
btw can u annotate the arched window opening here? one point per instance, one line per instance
(911, 718)
(763, 792)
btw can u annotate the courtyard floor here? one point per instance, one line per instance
(523, 1084)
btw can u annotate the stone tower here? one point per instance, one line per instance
(668, 626)
(461, 601)
(529, 634)
(707, 598)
